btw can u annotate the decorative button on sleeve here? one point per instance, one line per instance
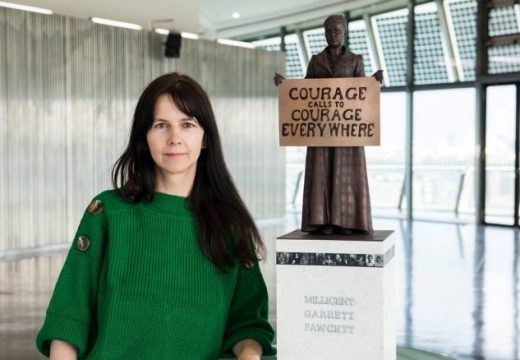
(83, 243)
(95, 207)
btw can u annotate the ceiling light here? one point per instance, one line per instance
(236, 15)
(236, 43)
(26, 8)
(115, 23)
(162, 31)
(188, 35)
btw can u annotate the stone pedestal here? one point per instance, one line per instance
(335, 296)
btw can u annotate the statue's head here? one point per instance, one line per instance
(335, 30)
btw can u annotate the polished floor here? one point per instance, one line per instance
(458, 289)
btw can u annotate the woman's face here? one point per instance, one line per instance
(174, 139)
(335, 34)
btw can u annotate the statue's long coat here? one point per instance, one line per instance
(336, 185)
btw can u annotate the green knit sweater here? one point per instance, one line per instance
(135, 285)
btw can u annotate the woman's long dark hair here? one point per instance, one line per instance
(222, 216)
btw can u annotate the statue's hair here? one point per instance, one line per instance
(335, 19)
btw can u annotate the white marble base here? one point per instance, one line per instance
(328, 309)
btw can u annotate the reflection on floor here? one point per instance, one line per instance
(458, 289)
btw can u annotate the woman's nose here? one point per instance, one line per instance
(174, 137)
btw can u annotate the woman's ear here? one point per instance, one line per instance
(204, 142)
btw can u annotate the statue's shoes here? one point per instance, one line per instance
(326, 229)
(344, 231)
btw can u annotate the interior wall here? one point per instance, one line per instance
(68, 89)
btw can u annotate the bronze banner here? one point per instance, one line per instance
(329, 112)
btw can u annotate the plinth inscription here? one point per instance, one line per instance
(329, 314)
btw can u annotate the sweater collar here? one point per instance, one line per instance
(170, 205)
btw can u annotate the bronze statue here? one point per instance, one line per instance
(335, 196)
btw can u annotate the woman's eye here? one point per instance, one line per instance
(188, 125)
(160, 125)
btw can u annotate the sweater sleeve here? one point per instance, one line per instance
(248, 314)
(71, 310)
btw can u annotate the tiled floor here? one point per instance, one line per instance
(458, 289)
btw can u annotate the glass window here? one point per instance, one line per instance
(503, 21)
(500, 154)
(294, 57)
(462, 22)
(271, 44)
(358, 43)
(430, 59)
(504, 59)
(315, 40)
(390, 35)
(443, 154)
(385, 163)
(294, 172)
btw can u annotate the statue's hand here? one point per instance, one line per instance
(278, 79)
(378, 75)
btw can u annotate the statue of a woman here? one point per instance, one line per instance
(335, 196)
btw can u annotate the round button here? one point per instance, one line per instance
(95, 207)
(83, 243)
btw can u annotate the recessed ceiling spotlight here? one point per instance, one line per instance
(236, 15)
(26, 8)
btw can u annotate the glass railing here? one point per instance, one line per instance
(440, 191)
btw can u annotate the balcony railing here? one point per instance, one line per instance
(443, 189)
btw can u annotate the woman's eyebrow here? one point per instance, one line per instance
(190, 118)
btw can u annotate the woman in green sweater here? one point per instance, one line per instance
(166, 265)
